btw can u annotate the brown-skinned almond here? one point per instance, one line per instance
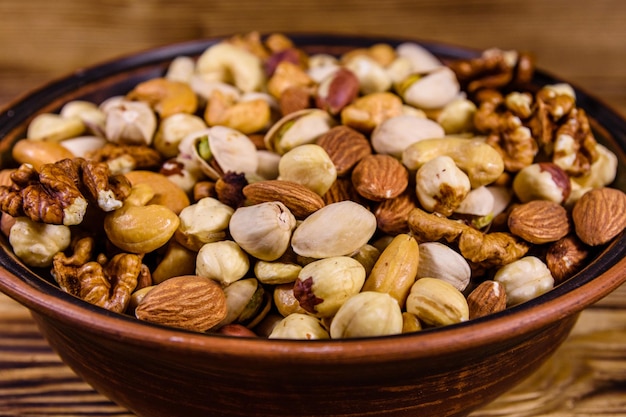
(189, 302)
(380, 177)
(300, 200)
(599, 215)
(539, 221)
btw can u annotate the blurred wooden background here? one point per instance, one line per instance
(583, 41)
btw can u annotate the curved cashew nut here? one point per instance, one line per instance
(231, 62)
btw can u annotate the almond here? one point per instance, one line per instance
(392, 215)
(380, 177)
(189, 302)
(300, 200)
(345, 147)
(487, 298)
(565, 257)
(600, 215)
(539, 221)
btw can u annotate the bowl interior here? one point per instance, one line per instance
(35, 288)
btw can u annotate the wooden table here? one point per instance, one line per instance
(582, 41)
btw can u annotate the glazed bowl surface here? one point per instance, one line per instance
(157, 371)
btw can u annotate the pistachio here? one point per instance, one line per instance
(432, 90)
(422, 60)
(297, 128)
(131, 122)
(324, 285)
(221, 149)
(334, 230)
(367, 314)
(246, 302)
(310, 166)
(173, 129)
(437, 302)
(263, 230)
(394, 135)
(299, 326)
(437, 260)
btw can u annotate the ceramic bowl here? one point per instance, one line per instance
(156, 371)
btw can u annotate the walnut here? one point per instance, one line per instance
(575, 145)
(125, 158)
(563, 132)
(60, 191)
(502, 121)
(483, 250)
(107, 284)
(550, 108)
(494, 69)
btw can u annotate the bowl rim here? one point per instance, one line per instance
(43, 298)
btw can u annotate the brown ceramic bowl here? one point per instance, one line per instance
(156, 371)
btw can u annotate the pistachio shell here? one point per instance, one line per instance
(232, 150)
(299, 326)
(297, 128)
(334, 230)
(263, 230)
(367, 314)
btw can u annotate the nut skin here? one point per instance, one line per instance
(324, 285)
(337, 91)
(539, 221)
(436, 302)
(565, 257)
(598, 215)
(441, 186)
(392, 214)
(542, 181)
(487, 298)
(189, 302)
(300, 200)
(524, 279)
(379, 177)
(345, 147)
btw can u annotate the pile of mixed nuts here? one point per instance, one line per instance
(260, 190)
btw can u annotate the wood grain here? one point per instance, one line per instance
(581, 41)
(586, 376)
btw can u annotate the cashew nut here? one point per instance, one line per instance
(233, 64)
(480, 161)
